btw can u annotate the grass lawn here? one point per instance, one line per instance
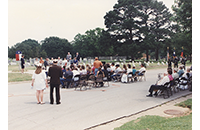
(16, 77)
(161, 123)
(16, 68)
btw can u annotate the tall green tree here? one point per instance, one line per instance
(138, 25)
(95, 42)
(30, 48)
(183, 18)
(124, 24)
(55, 47)
(159, 25)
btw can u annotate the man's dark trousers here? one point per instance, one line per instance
(57, 87)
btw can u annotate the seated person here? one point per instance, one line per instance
(124, 68)
(134, 70)
(63, 70)
(175, 75)
(100, 72)
(89, 70)
(108, 68)
(67, 74)
(181, 71)
(184, 78)
(124, 78)
(75, 72)
(142, 69)
(160, 83)
(105, 70)
(117, 69)
(75, 61)
(83, 70)
(112, 67)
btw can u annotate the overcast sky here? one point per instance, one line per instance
(38, 19)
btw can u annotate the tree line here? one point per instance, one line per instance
(133, 27)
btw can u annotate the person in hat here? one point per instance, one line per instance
(39, 81)
(175, 75)
(55, 73)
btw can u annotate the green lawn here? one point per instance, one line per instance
(161, 123)
(16, 68)
(17, 77)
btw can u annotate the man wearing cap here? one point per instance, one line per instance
(55, 72)
(97, 64)
(175, 75)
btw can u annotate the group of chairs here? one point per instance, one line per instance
(86, 81)
(173, 87)
(131, 77)
(90, 81)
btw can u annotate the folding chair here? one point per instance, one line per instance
(91, 80)
(130, 77)
(165, 90)
(75, 81)
(82, 82)
(119, 76)
(99, 79)
(141, 76)
(176, 85)
(68, 80)
(105, 79)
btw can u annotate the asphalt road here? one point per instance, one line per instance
(80, 109)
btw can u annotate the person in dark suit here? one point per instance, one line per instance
(78, 57)
(22, 64)
(169, 62)
(176, 62)
(55, 72)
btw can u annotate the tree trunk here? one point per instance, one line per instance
(147, 55)
(132, 57)
(156, 54)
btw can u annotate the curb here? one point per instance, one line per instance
(107, 122)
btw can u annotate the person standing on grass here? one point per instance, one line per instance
(39, 81)
(55, 73)
(22, 64)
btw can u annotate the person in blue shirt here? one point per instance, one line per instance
(181, 71)
(75, 61)
(134, 70)
(66, 78)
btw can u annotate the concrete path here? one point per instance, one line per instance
(80, 109)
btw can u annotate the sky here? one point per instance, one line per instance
(39, 19)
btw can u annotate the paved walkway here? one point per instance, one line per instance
(80, 109)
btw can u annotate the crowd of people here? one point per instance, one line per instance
(61, 71)
(171, 75)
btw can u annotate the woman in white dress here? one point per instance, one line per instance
(39, 81)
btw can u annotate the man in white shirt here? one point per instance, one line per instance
(112, 67)
(175, 75)
(160, 84)
(75, 72)
(142, 69)
(117, 69)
